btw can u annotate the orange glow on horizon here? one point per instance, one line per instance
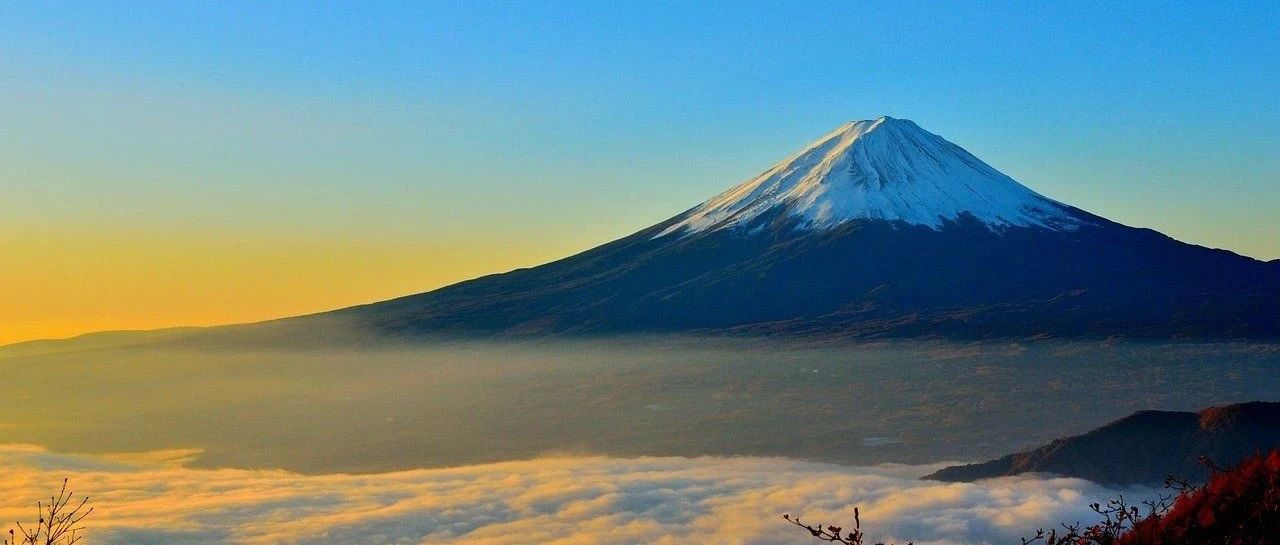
(68, 284)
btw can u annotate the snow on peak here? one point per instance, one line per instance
(885, 168)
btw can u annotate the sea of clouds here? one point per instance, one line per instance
(154, 498)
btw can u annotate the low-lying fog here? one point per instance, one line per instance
(450, 404)
(152, 499)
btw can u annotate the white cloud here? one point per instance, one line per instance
(151, 498)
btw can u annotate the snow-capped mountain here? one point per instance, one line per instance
(878, 229)
(885, 169)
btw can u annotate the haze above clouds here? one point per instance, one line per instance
(384, 408)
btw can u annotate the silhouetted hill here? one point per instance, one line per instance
(1144, 447)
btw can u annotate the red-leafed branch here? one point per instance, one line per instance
(834, 534)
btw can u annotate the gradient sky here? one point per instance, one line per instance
(201, 163)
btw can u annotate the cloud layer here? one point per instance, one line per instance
(153, 498)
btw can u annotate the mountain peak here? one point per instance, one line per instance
(878, 120)
(858, 128)
(880, 169)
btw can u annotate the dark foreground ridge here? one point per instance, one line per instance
(1143, 448)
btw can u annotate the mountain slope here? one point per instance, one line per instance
(879, 228)
(1143, 448)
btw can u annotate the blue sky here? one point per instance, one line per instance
(442, 129)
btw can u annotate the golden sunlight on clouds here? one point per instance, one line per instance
(564, 501)
(56, 285)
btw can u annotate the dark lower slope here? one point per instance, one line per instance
(1143, 448)
(864, 279)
